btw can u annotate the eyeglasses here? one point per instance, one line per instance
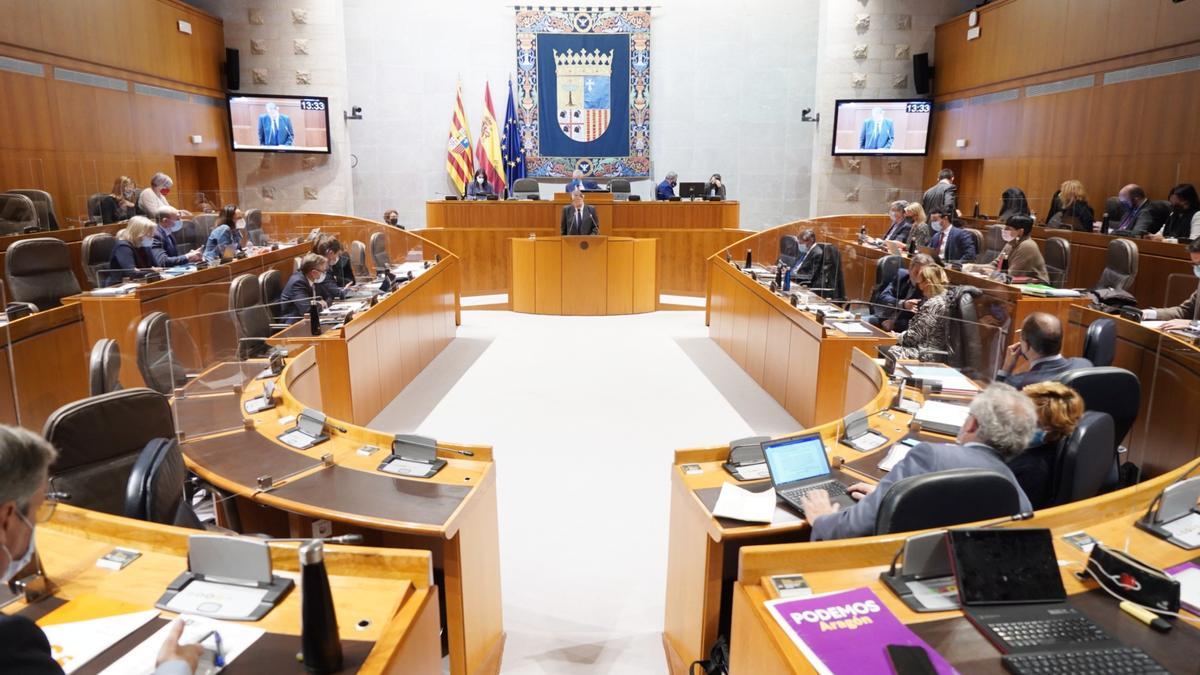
(46, 511)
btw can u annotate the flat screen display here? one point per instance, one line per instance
(882, 127)
(1003, 566)
(279, 123)
(796, 458)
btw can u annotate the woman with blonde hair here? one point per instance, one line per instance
(1076, 214)
(1059, 409)
(921, 233)
(131, 255)
(118, 204)
(927, 330)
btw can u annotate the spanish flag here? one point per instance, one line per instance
(458, 146)
(487, 152)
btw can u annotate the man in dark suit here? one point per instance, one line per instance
(164, 251)
(300, 291)
(579, 218)
(878, 133)
(1142, 215)
(899, 297)
(25, 460)
(1186, 314)
(666, 189)
(1041, 345)
(809, 263)
(943, 194)
(998, 428)
(273, 128)
(951, 240)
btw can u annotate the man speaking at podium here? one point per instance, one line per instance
(579, 218)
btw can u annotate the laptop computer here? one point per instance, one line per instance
(798, 465)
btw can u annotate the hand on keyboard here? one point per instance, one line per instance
(815, 503)
(858, 491)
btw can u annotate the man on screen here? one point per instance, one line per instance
(877, 133)
(273, 128)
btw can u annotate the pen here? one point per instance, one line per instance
(1145, 616)
(219, 655)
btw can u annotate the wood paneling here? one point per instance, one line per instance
(583, 276)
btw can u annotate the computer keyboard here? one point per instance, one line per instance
(1046, 632)
(1083, 661)
(832, 487)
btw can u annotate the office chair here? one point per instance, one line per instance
(1085, 459)
(94, 211)
(963, 334)
(254, 231)
(204, 224)
(1120, 266)
(524, 188)
(155, 491)
(270, 284)
(831, 284)
(945, 498)
(98, 440)
(43, 204)
(96, 252)
(978, 237)
(358, 260)
(185, 239)
(39, 271)
(789, 249)
(994, 243)
(1114, 213)
(1111, 390)
(158, 348)
(1100, 342)
(251, 317)
(17, 214)
(619, 187)
(379, 252)
(1058, 260)
(104, 367)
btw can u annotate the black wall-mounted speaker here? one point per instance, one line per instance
(233, 69)
(922, 73)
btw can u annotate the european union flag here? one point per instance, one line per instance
(512, 149)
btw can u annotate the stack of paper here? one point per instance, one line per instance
(115, 290)
(235, 639)
(952, 381)
(849, 328)
(74, 644)
(740, 504)
(941, 417)
(895, 453)
(1049, 291)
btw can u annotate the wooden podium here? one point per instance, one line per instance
(584, 276)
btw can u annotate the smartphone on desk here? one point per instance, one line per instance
(910, 660)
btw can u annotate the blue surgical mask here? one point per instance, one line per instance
(1039, 437)
(803, 249)
(176, 225)
(1126, 202)
(320, 279)
(17, 564)
(1196, 270)
(146, 242)
(936, 225)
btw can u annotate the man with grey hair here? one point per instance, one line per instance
(25, 460)
(154, 197)
(666, 189)
(273, 128)
(998, 428)
(164, 252)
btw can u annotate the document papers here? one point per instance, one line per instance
(851, 328)
(942, 417)
(74, 644)
(1185, 529)
(227, 601)
(951, 380)
(235, 639)
(897, 452)
(741, 504)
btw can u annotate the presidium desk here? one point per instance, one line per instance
(587, 276)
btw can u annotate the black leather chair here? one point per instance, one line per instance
(104, 367)
(155, 491)
(204, 224)
(95, 213)
(158, 350)
(524, 188)
(99, 438)
(17, 214)
(619, 187)
(789, 249)
(1120, 266)
(251, 317)
(963, 333)
(1085, 460)
(886, 269)
(97, 254)
(1100, 342)
(43, 204)
(270, 283)
(1115, 391)
(1058, 260)
(379, 252)
(979, 243)
(254, 229)
(358, 260)
(39, 271)
(186, 238)
(946, 498)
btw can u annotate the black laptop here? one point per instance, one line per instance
(799, 464)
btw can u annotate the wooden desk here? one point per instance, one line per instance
(584, 276)
(48, 352)
(477, 231)
(389, 588)
(452, 515)
(759, 646)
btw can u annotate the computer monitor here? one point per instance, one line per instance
(796, 458)
(691, 190)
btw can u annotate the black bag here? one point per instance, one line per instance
(718, 659)
(1111, 300)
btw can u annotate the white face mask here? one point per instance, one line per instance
(320, 278)
(17, 564)
(479, 180)
(240, 223)
(1007, 235)
(176, 225)
(146, 242)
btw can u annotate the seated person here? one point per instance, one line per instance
(1020, 256)
(579, 218)
(1074, 212)
(118, 204)
(1187, 314)
(715, 186)
(1013, 203)
(479, 187)
(900, 227)
(1184, 219)
(392, 217)
(900, 296)
(300, 291)
(1000, 424)
(950, 239)
(666, 189)
(809, 263)
(1041, 345)
(131, 254)
(164, 252)
(1059, 408)
(927, 330)
(921, 233)
(228, 236)
(1142, 215)
(577, 183)
(25, 460)
(339, 276)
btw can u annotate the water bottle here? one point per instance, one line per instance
(749, 258)
(319, 644)
(314, 317)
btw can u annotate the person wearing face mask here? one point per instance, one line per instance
(921, 232)
(25, 460)
(130, 256)
(715, 186)
(301, 289)
(1000, 423)
(927, 330)
(479, 187)
(1187, 314)
(163, 249)
(1040, 345)
(392, 217)
(950, 239)
(1184, 219)
(229, 234)
(900, 297)
(154, 197)
(1142, 215)
(118, 204)
(666, 189)
(1059, 409)
(1020, 256)
(809, 262)
(899, 229)
(339, 275)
